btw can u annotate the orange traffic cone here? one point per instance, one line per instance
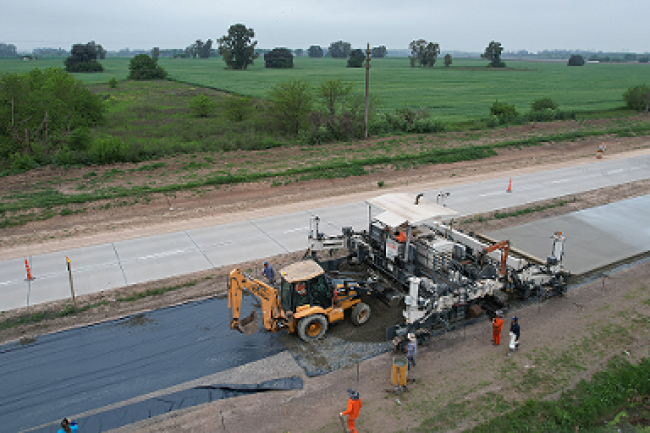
(509, 186)
(29, 272)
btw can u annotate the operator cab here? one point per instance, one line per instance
(304, 283)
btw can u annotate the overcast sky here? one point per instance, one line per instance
(467, 25)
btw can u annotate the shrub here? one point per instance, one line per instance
(279, 58)
(238, 108)
(576, 60)
(107, 150)
(19, 161)
(644, 59)
(356, 59)
(543, 104)
(79, 139)
(143, 67)
(201, 106)
(410, 121)
(505, 112)
(112, 83)
(636, 97)
(290, 104)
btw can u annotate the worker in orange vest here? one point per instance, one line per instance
(354, 405)
(497, 325)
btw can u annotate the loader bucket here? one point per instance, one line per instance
(248, 325)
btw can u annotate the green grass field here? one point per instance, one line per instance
(462, 92)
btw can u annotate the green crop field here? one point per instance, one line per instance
(465, 91)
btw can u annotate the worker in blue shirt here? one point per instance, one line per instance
(514, 334)
(269, 273)
(68, 426)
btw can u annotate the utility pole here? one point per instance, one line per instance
(367, 86)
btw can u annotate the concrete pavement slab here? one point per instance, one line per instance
(234, 243)
(355, 215)
(289, 231)
(596, 237)
(159, 257)
(14, 288)
(13, 294)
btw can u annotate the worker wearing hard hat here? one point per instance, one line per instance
(352, 411)
(497, 325)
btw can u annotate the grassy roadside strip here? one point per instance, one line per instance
(69, 310)
(47, 199)
(623, 387)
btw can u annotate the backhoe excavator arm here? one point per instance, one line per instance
(274, 317)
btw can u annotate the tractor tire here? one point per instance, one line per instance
(360, 314)
(312, 328)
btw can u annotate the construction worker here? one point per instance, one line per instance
(68, 426)
(514, 335)
(352, 411)
(497, 325)
(269, 273)
(411, 350)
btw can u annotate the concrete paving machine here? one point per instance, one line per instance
(442, 274)
(306, 302)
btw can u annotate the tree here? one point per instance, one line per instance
(332, 93)
(204, 49)
(637, 97)
(644, 59)
(315, 51)
(447, 60)
(290, 103)
(155, 53)
(424, 53)
(298, 52)
(378, 52)
(101, 52)
(40, 109)
(279, 58)
(356, 59)
(576, 60)
(339, 50)
(143, 67)
(493, 54)
(83, 58)
(237, 48)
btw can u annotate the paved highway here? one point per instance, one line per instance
(122, 263)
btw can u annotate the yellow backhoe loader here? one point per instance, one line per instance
(306, 302)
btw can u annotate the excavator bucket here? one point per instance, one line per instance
(248, 325)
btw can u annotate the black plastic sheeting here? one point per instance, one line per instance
(74, 371)
(139, 411)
